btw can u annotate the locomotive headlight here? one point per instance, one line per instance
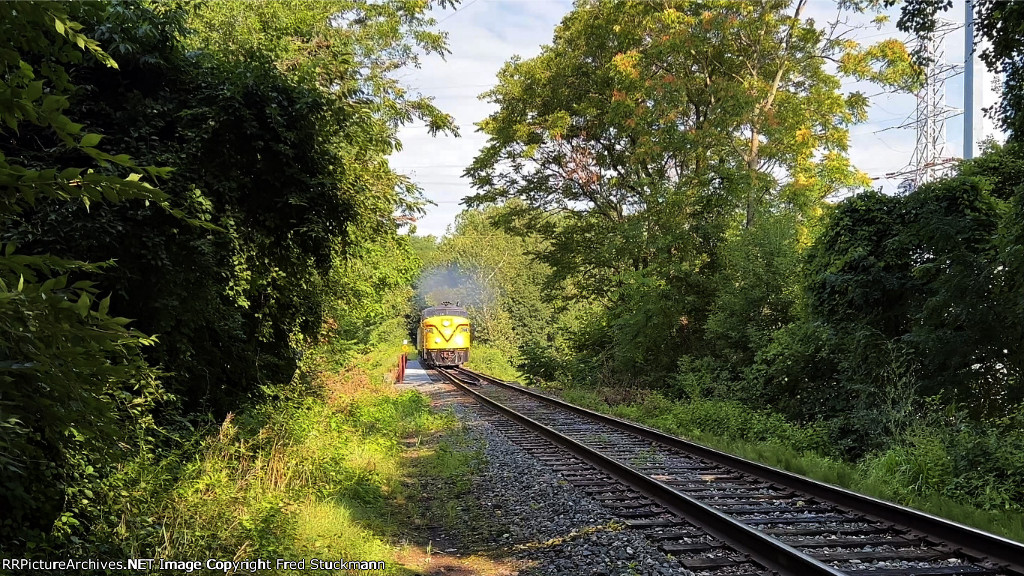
(458, 340)
(445, 323)
(437, 340)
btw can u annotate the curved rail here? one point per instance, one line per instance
(970, 541)
(767, 551)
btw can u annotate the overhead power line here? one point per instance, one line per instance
(457, 12)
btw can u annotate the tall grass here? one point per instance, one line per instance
(298, 479)
(916, 472)
(316, 472)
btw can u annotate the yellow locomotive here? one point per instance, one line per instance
(443, 335)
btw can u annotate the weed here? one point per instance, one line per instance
(647, 456)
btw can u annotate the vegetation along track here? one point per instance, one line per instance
(725, 515)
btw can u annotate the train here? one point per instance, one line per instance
(443, 336)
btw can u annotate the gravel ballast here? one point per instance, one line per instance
(555, 528)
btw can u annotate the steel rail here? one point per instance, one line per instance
(769, 552)
(1006, 553)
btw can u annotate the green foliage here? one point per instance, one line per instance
(927, 270)
(757, 296)
(947, 465)
(353, 48)
(699, 418)
(856, 270)
(373, 286)
(313, 473)
(906, 298)
(297, 479)
(74, 388)
(276, 230)
(956, 457)
(645, 147)
(920, 465)
(291, 171)
(491, 361)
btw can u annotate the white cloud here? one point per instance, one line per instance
(484, 34)
(482, 37)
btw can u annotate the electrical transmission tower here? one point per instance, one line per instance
(931, 159)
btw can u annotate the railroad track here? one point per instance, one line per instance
(719, 514)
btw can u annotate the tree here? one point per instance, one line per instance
(273, 147)
(282, 201)
(647, 135)
(253, 156)
(928, 272)
(757, 294)
(351, 49)
(72, 376)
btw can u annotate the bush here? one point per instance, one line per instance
(701, 418)
(703, 377)
(943, 463)
(949, 455)
(491, 361)
(917, 465)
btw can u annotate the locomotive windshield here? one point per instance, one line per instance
(445, 309)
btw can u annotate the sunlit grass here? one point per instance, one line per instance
(313, 476)
(324, 529)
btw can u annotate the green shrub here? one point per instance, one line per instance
(491, 361)
(944, 464)
(918, 465)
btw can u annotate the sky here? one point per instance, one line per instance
(484, 34)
